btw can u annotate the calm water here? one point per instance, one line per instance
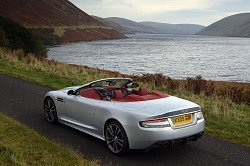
(176, 56)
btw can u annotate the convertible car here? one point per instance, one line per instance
(125, 115)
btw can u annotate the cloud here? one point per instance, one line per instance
(202, 12)
(127, 4)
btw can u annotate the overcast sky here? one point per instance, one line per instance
(203, 12)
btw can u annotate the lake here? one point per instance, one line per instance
(176, 56)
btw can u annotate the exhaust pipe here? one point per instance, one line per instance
(200, 134)
(165, 144)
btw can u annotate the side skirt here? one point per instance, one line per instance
(80, 127)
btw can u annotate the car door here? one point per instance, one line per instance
(80, 109)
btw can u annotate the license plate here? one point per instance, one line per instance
(183, 119)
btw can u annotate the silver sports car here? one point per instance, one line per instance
(125, 115)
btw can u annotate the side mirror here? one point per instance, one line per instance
(70, 92)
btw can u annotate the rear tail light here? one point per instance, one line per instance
(199, 115)
(155, 123)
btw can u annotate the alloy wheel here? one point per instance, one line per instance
(116, 138)
(50, 110)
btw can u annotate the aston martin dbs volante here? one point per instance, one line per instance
(125, 115)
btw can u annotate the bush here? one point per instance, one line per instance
(47, 35)
(20, 37)
(199, 85)
(236, 94)
(4, 42)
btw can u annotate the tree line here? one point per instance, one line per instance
(47, 35)
(15, 36)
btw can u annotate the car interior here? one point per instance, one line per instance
(115, 93)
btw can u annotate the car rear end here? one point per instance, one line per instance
(178, 121)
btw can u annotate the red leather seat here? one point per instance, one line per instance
(117, 95)
(91, 93)
(143, 91)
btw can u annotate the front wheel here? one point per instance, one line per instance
(50, 110)
(116, 138)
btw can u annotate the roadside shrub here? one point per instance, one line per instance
(159, 80)
(154, 79)
(199, 85)
(236, 94)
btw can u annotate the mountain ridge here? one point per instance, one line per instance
(237, 25)
(154, 27)
(112, 24)
(188, 29)
(132, 26)
(62, 15)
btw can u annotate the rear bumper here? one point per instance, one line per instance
(162, 137)
(170, 143)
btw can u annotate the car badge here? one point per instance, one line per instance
(184, 111)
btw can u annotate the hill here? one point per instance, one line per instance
(132, 26)
(175, 28)
(114, 25)
(153, 27)
(237, 25)
(68, 21)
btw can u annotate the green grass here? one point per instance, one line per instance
(224, 119)
(20, 145)
(61, 30)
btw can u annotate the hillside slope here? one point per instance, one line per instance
(132, 26)
(113, 25)
(154, 27)
(62, 15)
(235, 26)
(175, 28)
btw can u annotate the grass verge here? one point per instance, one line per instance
(20, 145)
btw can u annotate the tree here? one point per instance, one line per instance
(20, 37)
(47, 35)
(4, 42)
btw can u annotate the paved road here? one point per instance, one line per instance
(22, 101)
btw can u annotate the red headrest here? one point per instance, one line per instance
(117, 94)
(143, 91)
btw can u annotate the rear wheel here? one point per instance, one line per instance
(50, 110)
(116, 138)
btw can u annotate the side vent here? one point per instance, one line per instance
(60, 99)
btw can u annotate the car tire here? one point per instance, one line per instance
(116, 138)
(50, 110)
